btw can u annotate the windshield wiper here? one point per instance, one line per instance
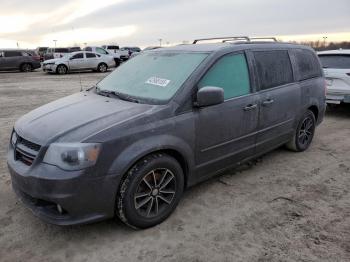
(121, 96)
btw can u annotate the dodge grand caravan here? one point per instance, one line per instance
(131, 145)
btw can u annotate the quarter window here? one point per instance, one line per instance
(274, 68)
(307, 64)
(231, 74)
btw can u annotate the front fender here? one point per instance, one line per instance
(143, 147)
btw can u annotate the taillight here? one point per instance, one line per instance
(37, 58)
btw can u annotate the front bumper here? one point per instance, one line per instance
(49, 68)
(82, 197)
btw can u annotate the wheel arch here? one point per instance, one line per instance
(314, 109)
(62, 65)
(175, 148)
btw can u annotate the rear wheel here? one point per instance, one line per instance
(26, 67)
(102, 68)
(304, 133)
(61, 70)
(150, 192)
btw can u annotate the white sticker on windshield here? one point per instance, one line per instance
(157, 81)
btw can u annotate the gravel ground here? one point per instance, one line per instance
(284, 207)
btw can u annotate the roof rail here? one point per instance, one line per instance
(246, 38)
(236, 38)
(274, 39)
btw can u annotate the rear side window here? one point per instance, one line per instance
(230, 73)
(335, 61)
(307, 64)
(274, 68)
(90, 55)
(12, 53)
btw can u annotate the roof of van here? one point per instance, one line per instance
(334, 52)
(212, 47)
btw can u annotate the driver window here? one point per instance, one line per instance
(78, 56)
(231, 74)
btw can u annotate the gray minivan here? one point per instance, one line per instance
(132, 144)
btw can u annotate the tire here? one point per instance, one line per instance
(102, 68)
(304, 133)
(26, 67)
(117, 62)
(61, 70)
(150, 191)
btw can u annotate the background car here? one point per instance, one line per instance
(131, 50)
(336, 67)
(53, 53)
(21, 60)
(102, 51)
(124, 54)
(41, 52)
(79, 61)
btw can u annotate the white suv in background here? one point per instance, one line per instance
(336, 67)
(102, 51)
(124, 54)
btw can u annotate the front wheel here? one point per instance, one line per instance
(304, 133)
(61, 70)
(151, 191)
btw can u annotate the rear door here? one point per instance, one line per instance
(279, 98)
(226, 133)
(91, 60)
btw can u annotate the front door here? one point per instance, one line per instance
(226, 133)
(77, 62)
(279, 98)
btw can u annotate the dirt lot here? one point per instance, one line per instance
(285, 207)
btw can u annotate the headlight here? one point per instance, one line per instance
(72, 156)
(14, 138)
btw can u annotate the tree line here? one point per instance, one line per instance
(321, 45)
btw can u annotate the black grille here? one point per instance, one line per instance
(26, 151)
(28, 144)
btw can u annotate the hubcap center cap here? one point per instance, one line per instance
(155, 192)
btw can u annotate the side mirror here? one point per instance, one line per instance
(210, 95)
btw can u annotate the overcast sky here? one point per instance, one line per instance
(142, 22)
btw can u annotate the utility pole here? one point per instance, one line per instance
(55, 42)
(160, 41)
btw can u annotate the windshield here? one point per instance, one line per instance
(152, 76)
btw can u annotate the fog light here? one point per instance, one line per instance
(59, 209)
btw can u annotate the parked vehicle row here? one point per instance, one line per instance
(129, 146)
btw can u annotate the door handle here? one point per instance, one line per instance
(250, 107)
(268, 102)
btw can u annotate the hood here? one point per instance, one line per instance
(76, 117)
(54, 60)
